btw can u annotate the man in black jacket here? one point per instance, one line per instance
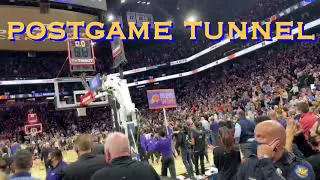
(184, 143)
(199, 142)
(117, 153)
(87, 163)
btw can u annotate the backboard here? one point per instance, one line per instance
(68, 93)
(33, 129)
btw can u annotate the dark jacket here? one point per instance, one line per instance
(7, 159)
(315, 163)
(289, 167)
(303, 145)
(125, 168)
(57, 172)
(44, 153)
(98, 150)
(184, 141)
(84, 167)
(226, 162)
(247, 130)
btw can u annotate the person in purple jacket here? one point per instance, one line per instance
(214, 127)
(143, 146)
(163, 145)
(150, 153)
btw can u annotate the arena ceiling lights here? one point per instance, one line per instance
(144, 2)
(191, 18)
(110, 18)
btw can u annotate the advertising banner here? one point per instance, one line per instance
(161, 98)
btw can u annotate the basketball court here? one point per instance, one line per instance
(38, 169)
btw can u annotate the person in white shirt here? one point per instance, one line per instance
(295, 89)
(293, 101)
(205, 124)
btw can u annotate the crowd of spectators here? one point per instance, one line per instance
(68, 123)
(253, 83)
(270, 81)
(279, 68)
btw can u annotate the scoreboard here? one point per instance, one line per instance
(118, 53)
(81, 55)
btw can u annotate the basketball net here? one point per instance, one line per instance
(33, 132)
(82, 112)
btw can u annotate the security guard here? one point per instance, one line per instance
(272, 160)
(57, 165)
(117, 153)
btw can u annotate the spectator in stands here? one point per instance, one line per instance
(314, 139)
(117, 154)
(275, 116)
(244, 134)
(87, 163)
(260, 119)
(22, 164)
(307, 119)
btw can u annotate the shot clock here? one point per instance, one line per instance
(81, 55)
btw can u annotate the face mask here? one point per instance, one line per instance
(49, 163)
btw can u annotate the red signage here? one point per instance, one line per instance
(33, 125)
(32, 118)
(3, 97)
(87, 98)
(33, 129)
